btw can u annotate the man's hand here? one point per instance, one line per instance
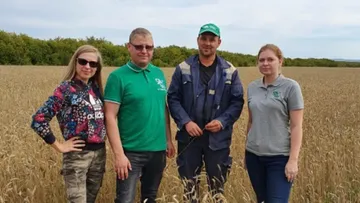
(122, 165)
(193, 129)
(214, 126)
(170, 149)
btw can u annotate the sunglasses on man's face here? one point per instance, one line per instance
(141, 47)
(83, 62)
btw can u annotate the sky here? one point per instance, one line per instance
(301, 28)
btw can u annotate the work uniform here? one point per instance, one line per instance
(202, 94)
(268, 141)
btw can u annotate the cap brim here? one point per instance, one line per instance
(208, 31)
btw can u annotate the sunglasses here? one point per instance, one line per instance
(83, 62)
(141, 47)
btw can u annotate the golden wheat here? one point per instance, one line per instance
(330, 156)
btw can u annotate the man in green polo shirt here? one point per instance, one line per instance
(137, 121)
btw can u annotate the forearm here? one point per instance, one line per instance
(114, 136)
(296, 140)
(178, 113)
(232, 114)
(56, 145)
(168, 127)
(247, 132)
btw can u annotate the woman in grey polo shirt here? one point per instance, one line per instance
(274, 130)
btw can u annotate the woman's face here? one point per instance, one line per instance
(86, 66)
(268, 63)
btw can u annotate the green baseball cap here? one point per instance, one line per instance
(210, 27)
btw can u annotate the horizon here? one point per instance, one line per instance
(84, 38)
(302, 29)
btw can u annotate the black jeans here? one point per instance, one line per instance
(149, 167)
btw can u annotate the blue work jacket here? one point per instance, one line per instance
(190, 100)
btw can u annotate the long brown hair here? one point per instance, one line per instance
(71, 71)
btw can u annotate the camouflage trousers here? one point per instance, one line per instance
(83, 174)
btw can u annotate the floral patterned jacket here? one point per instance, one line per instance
(79, 111)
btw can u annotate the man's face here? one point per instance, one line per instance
(141, 49)
(208, 43)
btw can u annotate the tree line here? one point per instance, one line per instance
(21, 49)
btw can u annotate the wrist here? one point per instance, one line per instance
(293, 159)
(119, 153)
(57, 146)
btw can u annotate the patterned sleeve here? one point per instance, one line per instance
(41, 119)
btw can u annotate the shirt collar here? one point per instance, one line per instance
(81, 83)
(136, 68)
(275, 83)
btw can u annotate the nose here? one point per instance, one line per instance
(143, 50)
(266, 62)
(87, 65)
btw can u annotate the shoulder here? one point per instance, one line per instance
(290, 83)
(64, 86)
(119, 72)
(227, 65)
(185, 66)
(157, 70)
(255, 83)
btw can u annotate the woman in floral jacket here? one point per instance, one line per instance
(77, 102)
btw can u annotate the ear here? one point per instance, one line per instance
(281, 62)
(128, 45)
(219, 42)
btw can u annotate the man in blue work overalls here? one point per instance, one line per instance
(205, 99)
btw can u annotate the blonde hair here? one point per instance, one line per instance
(71, 70)
(272, 47)
(139, 31)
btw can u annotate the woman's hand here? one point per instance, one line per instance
(291, 170)
(72, 144)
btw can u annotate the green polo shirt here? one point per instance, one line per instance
(141, 94)
(270, 111)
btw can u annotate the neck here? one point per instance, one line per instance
(142, 66)
(86, 81)
(207, 61)
(268, 79)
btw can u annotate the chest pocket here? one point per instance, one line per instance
(279, 99)
(187, 84)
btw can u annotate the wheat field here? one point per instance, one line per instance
(329, 167)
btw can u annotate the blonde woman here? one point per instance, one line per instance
(274, 129)
(78, 105)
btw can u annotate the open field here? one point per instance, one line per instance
(330, 158)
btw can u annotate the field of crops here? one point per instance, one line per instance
(329, 168)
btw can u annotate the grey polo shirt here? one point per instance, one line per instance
(270, 129)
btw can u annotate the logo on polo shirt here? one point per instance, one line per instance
(276, 94)
(161, 84)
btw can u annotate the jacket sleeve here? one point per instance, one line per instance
(174, 98)
(41, 119)
(233, 111)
